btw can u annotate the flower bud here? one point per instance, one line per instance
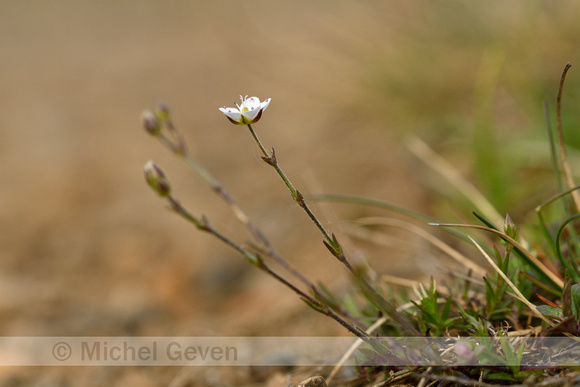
(156, 179)
(510, 228)
(151, 123)
(163, 111)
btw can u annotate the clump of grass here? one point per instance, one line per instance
(530, 287)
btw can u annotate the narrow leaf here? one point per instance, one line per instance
(550, 311)
(575, 295)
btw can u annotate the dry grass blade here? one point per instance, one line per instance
(535, 331)
(438, 243)
(550, 274)
(358, 342)
(439, 164)
(511, 284)
(389, 279)
(353, 348)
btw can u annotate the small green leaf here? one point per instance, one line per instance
(550, 311)
(316, 307)
(489, 295)
(506, 264)
(446, 309)
(484, 221)
(255, 260)
(575, 295)
(331, 249)
(567, 298)
(501, 376)
(498, 258)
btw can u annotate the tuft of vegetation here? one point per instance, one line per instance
(479, 325)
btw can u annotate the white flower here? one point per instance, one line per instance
(248, 112)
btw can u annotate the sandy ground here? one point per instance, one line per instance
(87, 249)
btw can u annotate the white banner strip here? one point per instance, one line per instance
(287, 351)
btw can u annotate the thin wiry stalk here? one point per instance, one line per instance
(512, 285)
(270, 159)
(533, 261)
(563, 156)
(334, 247)
(369, 331)
(398, 281)
(570, 265)
(553, 151)
(204, 225)
(444, 247)
(371, 202)
(559, 195)
(549, 201)
(422, 151)
(179, 148)
(342, 198)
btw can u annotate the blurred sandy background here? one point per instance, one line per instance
(87, 249)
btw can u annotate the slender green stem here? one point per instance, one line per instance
(264, 151)
(181, 211)
(343, 198)
(546, 231)
(271, 160)
(180, 149)
(563, 156)
(302, 203)
(539, 208)
(556, 197)
(204, 225)
(553, 150)
(332, 244)
(178, 146)
(319, 306)
(570, 265)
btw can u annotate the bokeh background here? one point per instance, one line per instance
(87, 249)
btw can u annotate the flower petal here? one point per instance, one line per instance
(266, 103)
(252, 113)
(232, 113)
(228, 109)
(249, 111)
(252, 103)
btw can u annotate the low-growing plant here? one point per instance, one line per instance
(530, 287)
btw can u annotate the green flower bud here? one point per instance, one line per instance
(510, 228)
(151, 123)
(156, 179)
(163, 111)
